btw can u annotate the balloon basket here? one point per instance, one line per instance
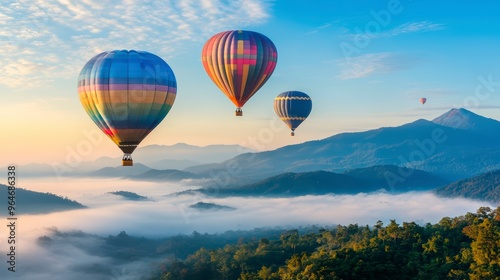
(127, 160)
(292, 133)
(239, 112)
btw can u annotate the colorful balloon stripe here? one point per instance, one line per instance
(293, 107)
(127, 94)
(239, 62)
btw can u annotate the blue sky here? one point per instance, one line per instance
(364, 63)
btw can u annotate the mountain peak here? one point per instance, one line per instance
(464, 119)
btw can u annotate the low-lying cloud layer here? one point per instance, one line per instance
(170, 215)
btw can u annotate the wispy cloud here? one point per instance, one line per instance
(412, 27)
(324, 26)
(53, 39)
(374, 63)
(405, 28)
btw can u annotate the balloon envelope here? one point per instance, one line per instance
(423, 100)
(239, 62)
(292, 107)
(127, 94)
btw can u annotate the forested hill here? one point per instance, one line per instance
(360, 180)
(31, 202)
(465, 247)
(483, 187)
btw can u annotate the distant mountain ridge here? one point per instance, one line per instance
(365, 180)
(185, 152)
(431, 146)
(177, 156)
(141, 172)
(160, 157)
(456, 145)
(164, 175)
(119, 171)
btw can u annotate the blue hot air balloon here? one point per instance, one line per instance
(292, 107)
(127, 94)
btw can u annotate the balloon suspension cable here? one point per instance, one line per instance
(127, 160)
(239, 112)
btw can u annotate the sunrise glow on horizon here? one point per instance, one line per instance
(365, 65)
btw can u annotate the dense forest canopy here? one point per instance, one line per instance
(464, 247)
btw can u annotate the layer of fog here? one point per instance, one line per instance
(170, 215)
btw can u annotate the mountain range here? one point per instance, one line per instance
(456, 145)
(159, 157)
(420, 155)
(363, 180)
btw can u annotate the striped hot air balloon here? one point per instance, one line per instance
(292, 107)
(239, 62)
(127, 94)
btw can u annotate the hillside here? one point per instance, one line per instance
(396, 178)
(396, 250)
(208, 206)
(483, 187)
(467, 120)
(119, 171)
(163, 175)
(297, 184)
(130, 196)
(392, 251)
(364, 180)
(30, 202)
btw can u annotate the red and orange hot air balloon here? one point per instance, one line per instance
(239, 62)
(423, 100)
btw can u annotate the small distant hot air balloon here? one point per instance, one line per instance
(423, 100)
(127, 94)
(239, 62)
(292, 107)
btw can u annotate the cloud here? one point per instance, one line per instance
(325, 26)
(62, 35)
(168, 215)
(374, 63)
(405, 28)
(81, 256)
(412, 27)
(73, 255)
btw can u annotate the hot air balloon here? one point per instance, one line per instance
(127, 94)
(239, 62)
(292, 107)
(423, 100)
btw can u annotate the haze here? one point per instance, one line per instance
(170, 215)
